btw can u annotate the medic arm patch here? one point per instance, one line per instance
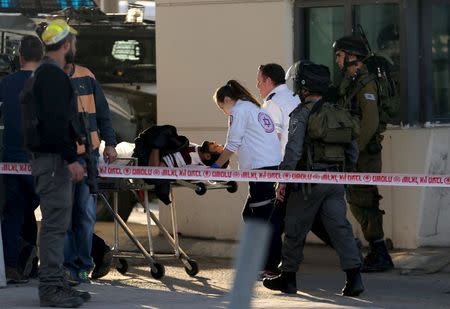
(370, 96)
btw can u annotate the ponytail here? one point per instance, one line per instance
(235, 91)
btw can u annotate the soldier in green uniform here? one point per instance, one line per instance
(359, 92)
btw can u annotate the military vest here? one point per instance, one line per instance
(330, 129)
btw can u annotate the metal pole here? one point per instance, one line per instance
(149, 223)
(251, 255)
(116, 224)
(173, 212)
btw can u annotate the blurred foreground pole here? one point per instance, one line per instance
(2, 261)
(249, 261)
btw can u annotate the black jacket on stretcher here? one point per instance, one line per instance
(166, 139)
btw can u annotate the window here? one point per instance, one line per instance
(319, 23)
(381, 24)
(440, 26)
(118, 54)
(126, 50)
(322, 27)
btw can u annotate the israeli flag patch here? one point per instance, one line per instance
(370, 96)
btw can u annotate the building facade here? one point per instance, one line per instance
(203, 43)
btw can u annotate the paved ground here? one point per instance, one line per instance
(320, 282)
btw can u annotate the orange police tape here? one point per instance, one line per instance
(141, 172)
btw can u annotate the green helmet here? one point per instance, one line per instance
(351, 44)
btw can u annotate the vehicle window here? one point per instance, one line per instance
(118, 57)
(126, 50)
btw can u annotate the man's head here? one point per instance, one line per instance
(209, 152)
(349, 52)
(310, 79)
(60, 38)
(269, 76)
(30, 50)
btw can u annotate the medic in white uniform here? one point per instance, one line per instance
(252, 136)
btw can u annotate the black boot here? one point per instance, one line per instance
(353, 285)
(286, 283)
(57, 296)
(378, 258)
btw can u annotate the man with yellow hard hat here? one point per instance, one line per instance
(54, 161)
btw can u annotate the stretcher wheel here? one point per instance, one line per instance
(200, 188)
(194, 268)
(160, 271)
(122, 266)
(232, 186)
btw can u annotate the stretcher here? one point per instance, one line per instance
(157, 270)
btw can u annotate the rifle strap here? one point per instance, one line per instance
(360, 85)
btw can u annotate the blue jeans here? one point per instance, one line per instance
(78, 241)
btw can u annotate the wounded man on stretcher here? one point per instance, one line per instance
(162, 146)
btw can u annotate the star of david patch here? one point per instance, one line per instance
(266, 122)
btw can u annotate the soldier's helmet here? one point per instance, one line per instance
(310, 76)
(351, 44)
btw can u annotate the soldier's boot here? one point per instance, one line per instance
(353, 285)
(286, 282)
(378, 258)
(85, 296)
(58, 296)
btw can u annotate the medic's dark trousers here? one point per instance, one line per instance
(260, 206)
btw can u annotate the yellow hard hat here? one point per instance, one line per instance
(56, 31)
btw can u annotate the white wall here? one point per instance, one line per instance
(200, 45)
(203, 43)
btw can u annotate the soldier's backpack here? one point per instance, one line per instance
(387, 91)
(382, 71)
(330, 130)
(386, 75)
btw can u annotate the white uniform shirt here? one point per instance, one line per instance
(279, 103)
(251, 133)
